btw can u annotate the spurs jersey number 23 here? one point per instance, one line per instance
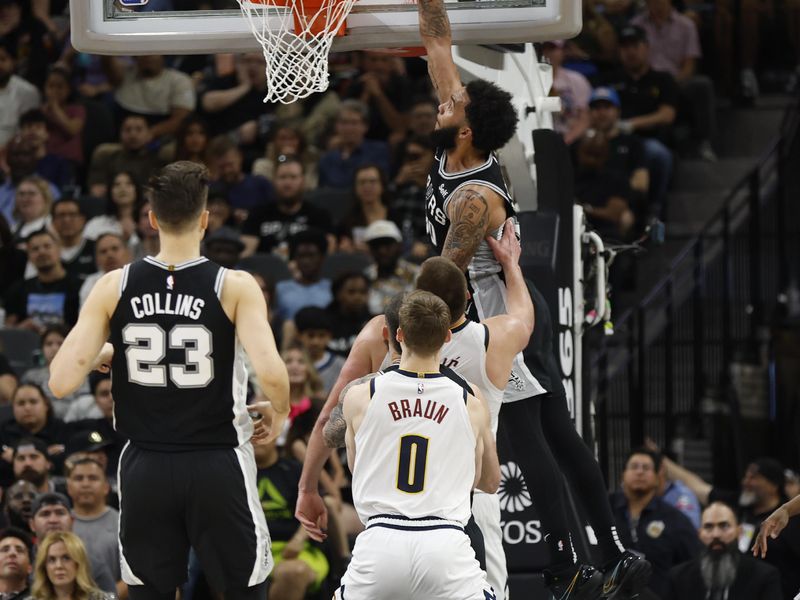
(415, 449)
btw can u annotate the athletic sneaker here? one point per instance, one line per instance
(582, 582)
(627, 578)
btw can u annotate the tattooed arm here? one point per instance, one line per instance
(335, 427)
(434, 27)
(468, 210)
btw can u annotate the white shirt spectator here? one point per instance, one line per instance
(155, 95)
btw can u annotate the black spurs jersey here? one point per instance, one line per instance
(180, 381)
(442, 185)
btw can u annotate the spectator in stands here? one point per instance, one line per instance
(8, 382)
(12, 259)
(97, 404)
(15, 563)
(674, 49)
(17, 96)
(51, 296)
(52, 167)
(224, 247)
(22, 165)
(52, 338)
(721, 571)
(603, 194)
(649, 525)
(147, 236)
(63, 570)
(96, 523)
(50, 512)
(315, 332)
(348, 311)
(594, 49)
(369, 204)
(288, 140)
(307, 249)
(31, 463)
(422, 116)
(234, 103)
(574, 91)
(131, 155)
(102, 444)
(408, 192)
(111, 252)
(191, 140)
(350, 148)
(677, 494)
(220, 212)
(390, 274)
(625, 152)
(29, 39)
(760, 494)
(77, 252)
(66, 118)
(19, 499)
(269, 226)
(300, 566)
(649, 101)
(245, 192)
(305, 386)
(382, 87)
(164, 96)
(119, 216)
(32, 207)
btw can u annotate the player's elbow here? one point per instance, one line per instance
(490, 481)
(57, 386)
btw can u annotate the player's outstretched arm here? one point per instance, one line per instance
(434, 27)
(487, 463)
(310, 509)
(774, 524)
(79, 353)
(335, 428)
(255, 334)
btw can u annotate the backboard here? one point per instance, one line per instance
(104, 27)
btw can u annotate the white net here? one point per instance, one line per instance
(296, 37)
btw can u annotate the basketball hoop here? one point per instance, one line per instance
(296, 51)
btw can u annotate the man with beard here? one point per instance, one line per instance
(721, 572)
(31, 464)
(270, 226)
(649, 525)
(15, 563)
(19, 502)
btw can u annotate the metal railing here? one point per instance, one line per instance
(668, 364)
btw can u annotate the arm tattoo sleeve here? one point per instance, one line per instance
(433, 21)
(469, 220)
(335, 428)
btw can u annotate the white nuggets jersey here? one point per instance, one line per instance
(415, 449)
(465, 353)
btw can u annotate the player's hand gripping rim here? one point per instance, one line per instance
(507, 249)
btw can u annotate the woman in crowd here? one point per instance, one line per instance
(31, 207)
(120, 215)
(192, 140)
(288, 141)
(305, 386)
(52, 338)
(65, 117)
(370, 203)
(62, 570)
(349, 310)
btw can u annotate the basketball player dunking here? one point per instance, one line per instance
(178, 324)
(418, 443)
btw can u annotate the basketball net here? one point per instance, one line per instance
(296, 50)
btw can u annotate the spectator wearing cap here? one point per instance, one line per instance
(674, 49)
(315, 332)
(16, 551)
(649, 102)
(19, 500)
(110, 253)
(760, 494)
(721, 571)
(77, 252)
(649, 525)
(625, 150)
(54, 168)
(96, 523)
(32, 463)
(573, 89)
(50, 512)
(307, 250)
(17, 96)
(224, 247)
(269, 227)
(390, 274)
(351, 149)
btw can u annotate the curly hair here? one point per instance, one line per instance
(491, 115)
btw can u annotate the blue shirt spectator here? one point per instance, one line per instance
(307, 249)
(245, 192)
(678, 495)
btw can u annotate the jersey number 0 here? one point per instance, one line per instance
(412, 464)
(147, 347)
